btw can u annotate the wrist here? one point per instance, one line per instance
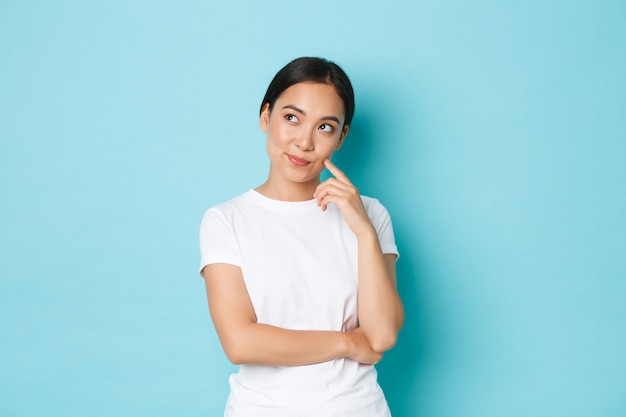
(351, 344)
(347, 345)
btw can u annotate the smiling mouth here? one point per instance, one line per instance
(298, 161)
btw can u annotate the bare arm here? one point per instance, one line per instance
(380, 309)
(246, 341)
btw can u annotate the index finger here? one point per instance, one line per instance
(336, 171)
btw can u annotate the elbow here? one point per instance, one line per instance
(235, 359)
(238, 345)
(236, 354)
(384, 343)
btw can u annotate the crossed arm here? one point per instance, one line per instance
(379, 308)
(246, 341)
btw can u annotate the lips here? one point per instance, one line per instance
(298, 161)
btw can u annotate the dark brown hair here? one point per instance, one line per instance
(309, 69)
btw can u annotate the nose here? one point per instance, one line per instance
(304, 141)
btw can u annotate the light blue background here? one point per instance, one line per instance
(494, 132)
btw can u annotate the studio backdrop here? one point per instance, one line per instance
(494, 132)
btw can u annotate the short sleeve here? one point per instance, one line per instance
(382, 223)
(217, 240)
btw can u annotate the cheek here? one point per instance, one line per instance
(326, 154)
(281, 132)
(328, 146)
(275, 136)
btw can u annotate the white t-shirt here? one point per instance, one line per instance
(299, 265)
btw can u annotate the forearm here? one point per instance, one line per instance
(380, 310)
(262, 344)
(379, 307)
(246, 341)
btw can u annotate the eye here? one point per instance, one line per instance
(292, 118)
(327, 128)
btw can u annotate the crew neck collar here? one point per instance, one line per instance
(290, 206)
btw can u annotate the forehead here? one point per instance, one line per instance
(313, 98)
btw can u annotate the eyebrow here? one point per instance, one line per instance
(299, 110)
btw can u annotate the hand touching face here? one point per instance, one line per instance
(340, 191)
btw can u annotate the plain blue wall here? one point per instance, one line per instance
(494, 132)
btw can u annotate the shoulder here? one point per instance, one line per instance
(223, 215)
(220, 221)
(381, 220)
(229, 206)
(233, 202)
(377, 213)
(373, 206)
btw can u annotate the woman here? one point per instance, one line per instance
(284, 264)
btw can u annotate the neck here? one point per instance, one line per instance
(288, 191)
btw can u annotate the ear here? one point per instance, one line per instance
(264, 119)
(344, 133)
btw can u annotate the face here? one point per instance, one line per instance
(304, 127)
